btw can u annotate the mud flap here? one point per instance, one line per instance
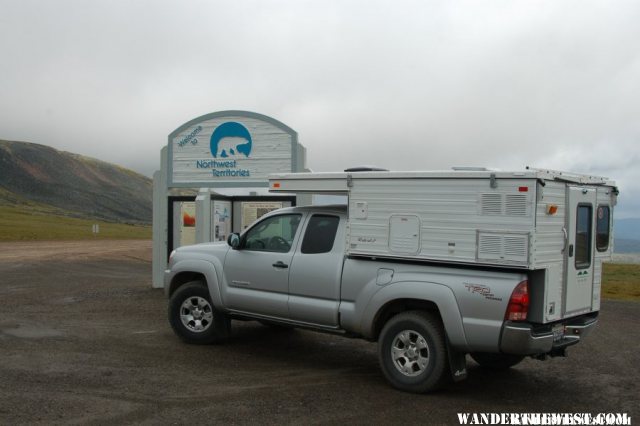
(457, 364)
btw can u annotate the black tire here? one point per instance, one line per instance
(201, 323)
(430, 368)
(496, 362)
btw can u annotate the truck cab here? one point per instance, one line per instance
(288, 266)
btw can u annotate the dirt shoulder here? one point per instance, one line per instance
(32, 251)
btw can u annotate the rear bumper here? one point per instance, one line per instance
(528, 339)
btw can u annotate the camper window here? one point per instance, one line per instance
(583, 236)
(603, 224)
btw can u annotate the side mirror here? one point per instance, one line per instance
(233, 240)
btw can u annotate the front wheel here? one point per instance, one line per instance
(193, 317)
(413, 352)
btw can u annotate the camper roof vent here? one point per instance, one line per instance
(365, 169)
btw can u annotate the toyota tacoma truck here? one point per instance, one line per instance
(364, 270)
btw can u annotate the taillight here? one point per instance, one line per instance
(518, 303)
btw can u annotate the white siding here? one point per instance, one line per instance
(549, 238)
(548, 243)
(451, 212)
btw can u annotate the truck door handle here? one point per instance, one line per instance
(280, 264)
(570, 250)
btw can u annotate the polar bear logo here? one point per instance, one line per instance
(230, 139)
(230, 147)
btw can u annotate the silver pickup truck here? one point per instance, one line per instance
(290, 268)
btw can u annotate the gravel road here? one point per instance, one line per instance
(84, 339)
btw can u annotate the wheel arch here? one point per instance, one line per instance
(185, 277)
(397, 306)
(416, 295)
(197, 270)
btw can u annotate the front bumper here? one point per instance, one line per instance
(529, 339)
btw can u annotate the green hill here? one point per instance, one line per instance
(51, 194)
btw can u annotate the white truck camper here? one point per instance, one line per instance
(554, 225)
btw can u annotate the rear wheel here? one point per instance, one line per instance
(413, 353)
(193, 317)
(496, 361)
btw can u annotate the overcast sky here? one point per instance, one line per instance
(406, 85)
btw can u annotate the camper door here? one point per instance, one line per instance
(579, 253)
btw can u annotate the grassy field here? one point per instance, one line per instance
(34, 222)
(621, 281)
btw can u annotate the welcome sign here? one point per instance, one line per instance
(230, 149)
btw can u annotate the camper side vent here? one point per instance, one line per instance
(516, 205)
(516, 246)
(503, 247)
(491, 245)
(491, 204)
(504, 204)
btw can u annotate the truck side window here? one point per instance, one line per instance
(583, 236)
(603, 224)
(274, 234)
(320, 234)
